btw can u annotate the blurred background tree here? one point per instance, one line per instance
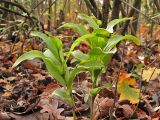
(50, 14)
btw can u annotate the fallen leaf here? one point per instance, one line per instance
(102, 107)
(33, 116)
(127, 92)
(124, 111)
(50, 106)
(141, 115)
(150, 74)
(4, 116)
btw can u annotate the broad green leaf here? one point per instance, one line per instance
(72, 75)
(29, 55)
(90, 21)
(52, 69)
(107, 58)
(101, 32)
(127, 92)
(53, 43)
(95, 91)
(78, 27)
(91, 64)
(55, 62)
(99, 22)
(49, 54)
(113, 41)
(57, 42)
(78, 41)
(79, 55)
(97, 42)
(96, 52)
(61, 93)
(114, 50)
(133, 39)
(114, 22)
(51, 66)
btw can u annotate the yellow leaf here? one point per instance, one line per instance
(147, 74)
(127, 92)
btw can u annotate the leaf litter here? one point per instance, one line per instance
(25, 91)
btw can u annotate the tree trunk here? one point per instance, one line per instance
(157, 4)
(136, 16)
(116, 9)
(5, 13)
(50, 13)
(105, 12)
(93, 8)
(131, 13)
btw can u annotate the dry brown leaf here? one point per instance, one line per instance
(151, 73)
(4, 116)
(124, 111)
(50, 106)
(33, 116)
(102, 108)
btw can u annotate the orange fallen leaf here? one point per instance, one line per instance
(127, 92)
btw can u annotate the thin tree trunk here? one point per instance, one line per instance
(55, 14)
(98, 13)
(5, 13)
(136, 16)
(105, 12)
(116, 9)
(93, 8)
(50, 13)
(157, 4)
(131, 13)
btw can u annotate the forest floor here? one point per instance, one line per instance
(25, 90)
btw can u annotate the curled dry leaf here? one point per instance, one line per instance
(102, 107)
(124, 111)
(50, 106)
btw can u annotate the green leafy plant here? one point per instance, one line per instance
(55, 62)
(103, 45)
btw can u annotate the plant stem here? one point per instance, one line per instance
(91, 108)
(74, 113)
(116, 85)
(73, 107)
(92, 97)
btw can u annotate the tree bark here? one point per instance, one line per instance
(98, 13)
(93, 8)
(157, 4)
(105, 12)
(116, 9)
(17, 5)
(50, 13)
(5, 13)
(136, 16)
(131, 13)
